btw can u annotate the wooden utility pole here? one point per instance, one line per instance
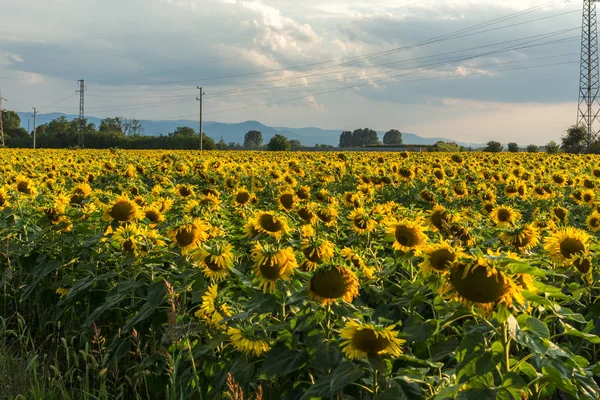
(34, 125)
(199, 98)
(1, 125)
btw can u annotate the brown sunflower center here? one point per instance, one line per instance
(270, 269)
(153, 216)
(477, 286)
(303, 194)
(504, 215)
(594, 222)
(325, 216)
(305, 214)
(185, 191)
(270, 223)
(406, 236)
(23, 187)
(367, 341)
(312, 254)
(330, 284)
(571, 246)
(122, 211)
(583, 265)
(128, 245)
(52, 214)
(287, 200)
(2, 200)
(187, 235)
(440, 259)
(560, 213)
(242, 198)
(361, 221)
(439, 219)
(211, 264)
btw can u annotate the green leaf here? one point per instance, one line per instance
(533, 325)
(345, 374)
(281, 361)
(571, 331)
(417, 330)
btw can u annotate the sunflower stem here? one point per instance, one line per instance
(375, 384)
(506, 343)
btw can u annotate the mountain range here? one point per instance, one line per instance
(234, 132)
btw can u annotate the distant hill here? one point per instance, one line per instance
(234, 132)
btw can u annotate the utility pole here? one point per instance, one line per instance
(1, 125)
(81, 92)
(589, 76)
(200, 100)
(34, 116)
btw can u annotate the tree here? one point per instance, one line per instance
(253, 139)
(445, 147)
(513, 147)
(221, 145)
(185, 131)
(392, 137)
(279, 143)
(365, 137)
(552, 147)
(10, 120)
(132, 127)
(575, 141)
(493, 147)
(346, 139)
(111, 125)
(532, 148)
(295, 145)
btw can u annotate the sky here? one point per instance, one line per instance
(468, 70)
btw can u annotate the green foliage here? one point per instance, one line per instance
(445, 147)
(552, 147)
(513, 147)
(493, 147)
(575, 141)
(295, 145)
(532, 148)
(10, 120)
(279, 143)
(253, 139)
(392, 137)
(359, 138)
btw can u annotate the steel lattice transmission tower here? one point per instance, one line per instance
(81, 92)
(589, 103)
(1, 125)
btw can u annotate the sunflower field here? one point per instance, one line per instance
(267, 275)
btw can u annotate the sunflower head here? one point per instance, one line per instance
(123, 210)
(504, 215)
(189, 236)
(215, 260)
(406, 235)
(213, 309)
(362, 340)
(362, 222)
(271, 224)
(272, 264)
(439, 257)
(525, 238)
(330, 283)
(248, 342)
(287, 200)
(476, 281)
(565, 244)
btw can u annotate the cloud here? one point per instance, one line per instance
(30, 78)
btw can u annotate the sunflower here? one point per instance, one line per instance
(123, 210)
(504, 215)
(587, 197)
(475, 281)
(307, 215)
(197, 208)
(559, 214)
(215, 261)
(331, 283)
(357, 261)
(246, 342)
(440, 219)
(210, 309)
(362, 221)
(303, 193)
(362, 340)
(583, 263)
(152, 214)
(184, 190)
(525, 238)
(566, 243)
(271, 224)
(327, 214)
(315, 249)
(3, 199)
(80, 193)
(272, 264)
(406, 235)
(128, 238)
(593, 222)
(163, 204)
(242, 197)
(287, 200)
(26, 186)
(189, 236)
(438, 257)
